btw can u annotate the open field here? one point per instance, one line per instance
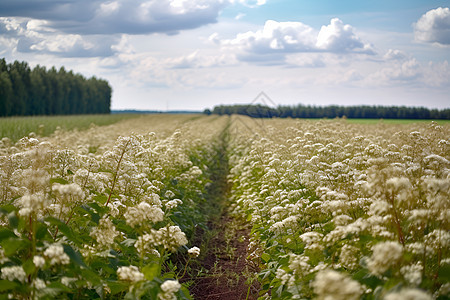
(209, 207)
(18, 127)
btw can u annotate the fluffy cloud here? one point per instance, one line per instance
(33, 36)
(340, 38)
(119, 16)
(395, 55)
(434, 27)
(411, 73)
(278, 39)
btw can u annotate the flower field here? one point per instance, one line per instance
(346, 211)
(337, 210)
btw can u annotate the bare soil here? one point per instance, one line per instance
(226, 269)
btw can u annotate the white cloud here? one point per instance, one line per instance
(119, 16)
(395, 55)
(340, 38)
(434, 27)
(411, 73)
(276, 40)
(28, 36)
(200, 60)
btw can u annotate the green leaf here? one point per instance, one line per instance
(151, 271)
(58, 180)
(265, 257)
(184, 293)
(6, 285)
(117, 287)
(74, 256)
(100, 198)
(95, 217)
(69, 172)
(13, 219)
(58, 287)
(444, 273)
(6, 233)
(90, 276)
(6, 209)
(13, 245)
(42, 231)
(64, 229)
(29, 267)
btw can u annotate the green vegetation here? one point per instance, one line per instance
(17, 127)
(26, 92)
(332, 111)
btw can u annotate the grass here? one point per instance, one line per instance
(17, 127)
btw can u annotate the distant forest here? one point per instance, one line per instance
(29, 92)
(332, 111)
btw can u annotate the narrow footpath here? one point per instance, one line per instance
(223, 271)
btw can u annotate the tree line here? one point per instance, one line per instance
(332, 111)
(38, 91)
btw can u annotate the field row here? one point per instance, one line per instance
(346, 211)
(92, 215)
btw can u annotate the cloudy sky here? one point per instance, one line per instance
(194, 54)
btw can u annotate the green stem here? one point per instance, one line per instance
(117, 172)
(185, 268)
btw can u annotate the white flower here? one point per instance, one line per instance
(104, 233)
(143, 213)
(408, 294)
(39, 284)
(385, 255)
(349, 257)
(194, 252)
(312, 240)
(173, 237)
(130, 273)
(169, 288)
(330, 284)
(412, 273)
(32, 203)
(55, 253)
(173, 203)
(38, 261)
(299, 264)
(14, 272)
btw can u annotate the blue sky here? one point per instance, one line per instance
(194, 54)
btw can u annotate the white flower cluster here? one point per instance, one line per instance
(32, 203)
(13, 273)
(173, 203)
(194, 252)
(384, 256)
(104, 233)
(38, 261)
(142, 214)
(56, 255)
(330, 284)
(170, 237)
(130, 273)
(168, 290)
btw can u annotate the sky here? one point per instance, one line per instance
(195, 54)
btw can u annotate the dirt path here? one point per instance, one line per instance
(223, 271)
(227, 273)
